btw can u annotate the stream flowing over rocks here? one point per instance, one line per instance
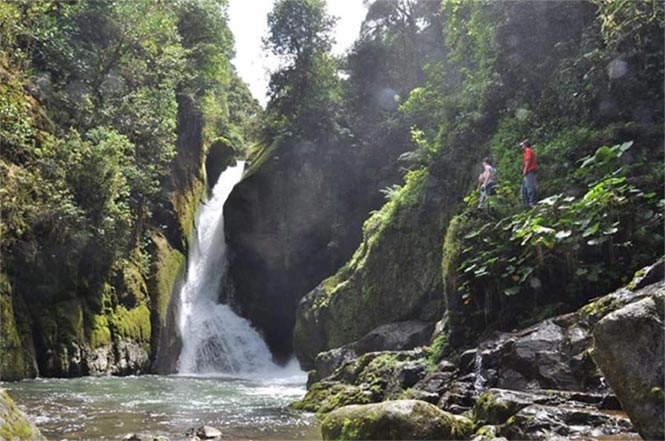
(542, 382)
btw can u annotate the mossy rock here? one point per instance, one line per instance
(221, 154)
(403, 236)
(132, 324)
(629, 349)
(18, 353)
(325, 397)
(185, 204)
(100, 333)
(395, 420)
(14, 425)
(496, 406)
(373, 377)
(167, 265)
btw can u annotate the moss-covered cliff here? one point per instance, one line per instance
(103, 163)
(393, 276)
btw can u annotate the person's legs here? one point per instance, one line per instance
(524, 194)
(531, 188)
(483, 197)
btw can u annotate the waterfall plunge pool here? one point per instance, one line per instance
(108, 408)
(251, 402)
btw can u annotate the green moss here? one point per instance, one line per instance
(69, 318)
(167, 265)
(100, 334)
(489, 409)
(134, 289)
(258, 155)
(391, 420)
(132, 324)
(637, 277)
(18, 356)
(185, 203)
(596, 310)
(326, 397)
(452, 246)
(404, 234)
(13, 424)
(438, 348)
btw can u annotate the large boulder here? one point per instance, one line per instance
(294, 218)
(542, 422)
(394, 420)
(372, 377)
(391, 337)
(629, 348)
(553, 354)
(14, 424)
(395, 337)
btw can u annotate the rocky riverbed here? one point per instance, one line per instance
(542, 382)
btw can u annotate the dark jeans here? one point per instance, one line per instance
(529, 189)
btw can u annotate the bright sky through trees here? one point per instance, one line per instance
(248, 24)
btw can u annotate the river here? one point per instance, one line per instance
(112, 407)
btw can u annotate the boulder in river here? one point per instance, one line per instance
(400, 419)
(372, 377)
(629, 348)
(397, 336)
(203, 432)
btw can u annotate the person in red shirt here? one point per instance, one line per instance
(529, 169)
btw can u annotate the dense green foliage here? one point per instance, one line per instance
(304, 92)
(94, 148)
(571, 76)
(576, 78)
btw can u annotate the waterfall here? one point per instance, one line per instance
(214, 338)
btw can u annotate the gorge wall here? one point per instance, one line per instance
(293, 219)
(103, 163)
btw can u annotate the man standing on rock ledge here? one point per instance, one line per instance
(529, 168)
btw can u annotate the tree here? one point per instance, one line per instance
(305, 92)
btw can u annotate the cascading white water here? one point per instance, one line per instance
(214, 338)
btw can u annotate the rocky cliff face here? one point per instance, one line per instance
(393, 276)
(112, 323)
(293, 219)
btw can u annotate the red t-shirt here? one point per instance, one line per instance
(529, 161)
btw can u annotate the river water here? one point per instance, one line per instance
(108, 408)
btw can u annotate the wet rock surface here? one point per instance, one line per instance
(395, 337)
(542, 422)
(629, 347)
(392, 337)
(537, 383)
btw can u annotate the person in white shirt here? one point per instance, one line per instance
(486, 182)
